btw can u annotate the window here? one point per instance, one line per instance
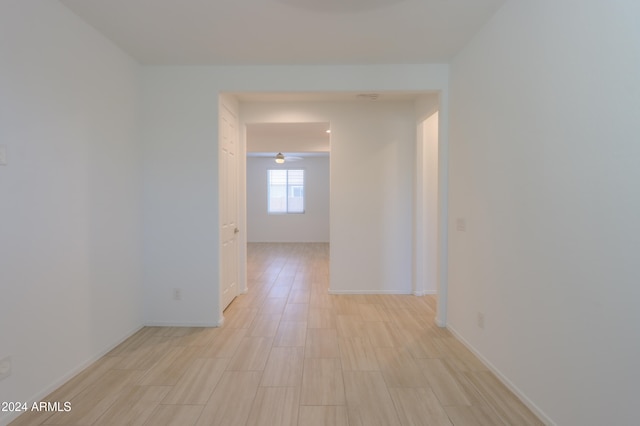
(286, 191)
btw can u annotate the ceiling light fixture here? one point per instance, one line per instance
(279, 158)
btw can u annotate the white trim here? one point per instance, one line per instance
(443, 205)
(505, 381)
(424, 292)
(419, 236)
(183, 324)
(370, 292)
(229, 104)
(242, 207)
(71, 374)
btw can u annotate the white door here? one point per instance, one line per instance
(228, 205)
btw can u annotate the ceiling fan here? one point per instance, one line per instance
(281, 158)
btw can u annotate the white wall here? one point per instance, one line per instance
(427, 209)
(180, 199)
(180, 173)
(544, 169)
(312, 226)
(69, 236)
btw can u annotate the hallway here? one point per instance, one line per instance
(291, 354)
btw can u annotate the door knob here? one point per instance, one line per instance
(235, 231)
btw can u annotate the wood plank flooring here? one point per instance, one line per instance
(291, 354)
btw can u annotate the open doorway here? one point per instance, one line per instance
(287, 187)
(373, 177)
(287, 182)
(427, 242)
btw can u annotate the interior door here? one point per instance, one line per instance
(228, 205)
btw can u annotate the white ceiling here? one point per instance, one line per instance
(287, 32)
(289, 138)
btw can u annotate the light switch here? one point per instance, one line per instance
(461, 224)
(3, 155)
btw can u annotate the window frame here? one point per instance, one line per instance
(288, 188)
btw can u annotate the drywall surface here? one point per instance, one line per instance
(544, 175)
(181, 178)
(427, 214)
(70, 197)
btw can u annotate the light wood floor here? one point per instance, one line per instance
(290, 354)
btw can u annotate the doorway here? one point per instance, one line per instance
(287, 182)
(427, 269)
(228, 194)
(397, 166)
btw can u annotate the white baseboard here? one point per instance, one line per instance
(424, 292)
(69, 375)
(369, 292)
(182, 324)
(505, 381)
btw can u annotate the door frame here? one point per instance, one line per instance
(426, 226)
(229, 103)
(443, 191)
